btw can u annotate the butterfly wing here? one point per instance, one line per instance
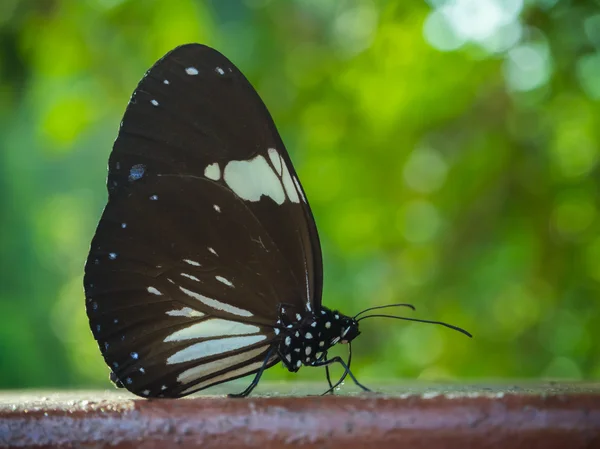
(206, 232)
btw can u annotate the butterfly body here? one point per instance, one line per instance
(306, 340)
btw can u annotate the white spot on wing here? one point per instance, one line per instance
(223, 377)
(217, 208)
(290, 189)
(224, 281)
(186, 311)
(219, 70)
(154, 102)
(191, 71)
(191, 262)
(189, 276)
(215, 366)
(166, 82)
(213, 328)
(210, 302)
(213, 347)
(154, 291)
(299, 189)
(213, 171)
(212, 251)
(275, 159)
(252, 179)
(306, 281)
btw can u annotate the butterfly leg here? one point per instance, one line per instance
(255, 381)
(328, 375)
(328, 379)
(339, 360)
(332, 388)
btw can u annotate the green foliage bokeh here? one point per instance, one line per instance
(448, 166)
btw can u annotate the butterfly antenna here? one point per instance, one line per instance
(450, 326)
(410, 306)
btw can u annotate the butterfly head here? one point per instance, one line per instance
(349, 328)
(339, 327)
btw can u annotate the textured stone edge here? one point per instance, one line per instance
(418, 421)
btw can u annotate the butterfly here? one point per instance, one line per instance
(206, 264)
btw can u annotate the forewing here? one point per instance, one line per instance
(194, 113)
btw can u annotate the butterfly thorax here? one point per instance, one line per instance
(306, 338)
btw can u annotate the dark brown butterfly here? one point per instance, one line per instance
(206, 264)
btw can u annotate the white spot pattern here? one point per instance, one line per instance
(189, 276)
(288, 184)
(213, 303)
(191, 71)
(186, 311)
(275, 159)
(206, 369)
(213, 328)
(154, 291)
(224, 281)
(228, 375)
(213, 171)
(212, 347)
(252, 179)
(298, 188)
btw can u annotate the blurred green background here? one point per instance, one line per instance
(449, 150)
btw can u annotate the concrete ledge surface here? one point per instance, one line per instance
(415, 416)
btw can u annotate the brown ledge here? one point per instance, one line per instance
(542, 415)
